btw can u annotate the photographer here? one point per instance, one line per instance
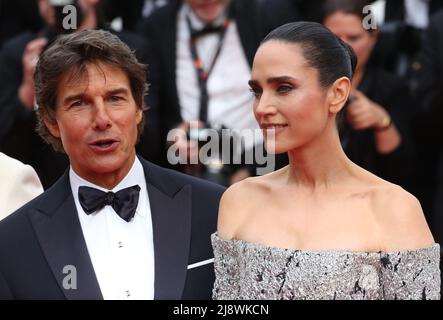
(17, 64)
(204, 50)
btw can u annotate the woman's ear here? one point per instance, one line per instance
(338, 94)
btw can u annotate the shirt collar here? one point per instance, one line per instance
(135, 176)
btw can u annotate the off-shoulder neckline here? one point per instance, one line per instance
(334, 251)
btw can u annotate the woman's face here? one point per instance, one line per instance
(289, 102)
(349, 28)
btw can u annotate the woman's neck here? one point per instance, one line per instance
(319, 164)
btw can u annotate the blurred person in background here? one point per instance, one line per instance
(428, 122)
(18, 16)
(130, 12)
(203, 56)
(18, 184)
(375, 131)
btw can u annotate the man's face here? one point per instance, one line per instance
(47, 12)
(208, 10)
(96, 119)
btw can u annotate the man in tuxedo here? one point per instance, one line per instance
(114, 226)
(18, 184)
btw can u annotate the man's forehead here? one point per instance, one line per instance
(92, 75)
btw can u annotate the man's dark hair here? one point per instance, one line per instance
(321, 48)
(71, 54)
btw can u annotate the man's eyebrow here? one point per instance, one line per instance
(82, 95)
(73, 98)
(118, 91)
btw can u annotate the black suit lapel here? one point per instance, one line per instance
(60, 236)
(245, 15)
(171, 222)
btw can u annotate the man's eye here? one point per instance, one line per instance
(77, 103)
(354, 38)
(116, 98)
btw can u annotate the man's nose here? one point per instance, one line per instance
(101, 120)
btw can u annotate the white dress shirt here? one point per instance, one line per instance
(417, 13)
(230, 102)
(122, 253)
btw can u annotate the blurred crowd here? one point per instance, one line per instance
(199, 55)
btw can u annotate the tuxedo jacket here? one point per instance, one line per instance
(40, 239)
(254, 20)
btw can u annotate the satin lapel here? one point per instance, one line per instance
(171, 222)
(60, 236)
(171, 210)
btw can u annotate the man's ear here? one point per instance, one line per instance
(338, 94)
(139, 116)
(52, 125)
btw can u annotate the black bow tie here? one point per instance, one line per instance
(124, 202)
(206, 30)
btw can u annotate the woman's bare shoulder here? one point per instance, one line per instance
(400, 217)
(240, 201)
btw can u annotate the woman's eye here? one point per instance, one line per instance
(284, 88)
(255, 92)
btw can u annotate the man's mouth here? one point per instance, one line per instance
(103, 144)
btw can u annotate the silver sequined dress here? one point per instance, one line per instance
(247, 270)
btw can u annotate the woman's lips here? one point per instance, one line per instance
(273, 128)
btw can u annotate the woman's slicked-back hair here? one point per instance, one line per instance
(321, 48)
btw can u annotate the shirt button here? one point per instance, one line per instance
(128, 294)
(120, 244)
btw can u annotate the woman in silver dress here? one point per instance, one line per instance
(322, 227)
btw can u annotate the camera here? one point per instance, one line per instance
(213, 166)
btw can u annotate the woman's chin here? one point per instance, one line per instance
(275, 148)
